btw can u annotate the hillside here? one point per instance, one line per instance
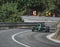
(11, 10)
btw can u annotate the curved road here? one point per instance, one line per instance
(32, 39)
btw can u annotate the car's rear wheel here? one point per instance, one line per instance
(47, 30)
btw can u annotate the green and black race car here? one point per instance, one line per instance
(41, 27)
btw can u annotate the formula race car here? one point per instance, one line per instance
(41, 27)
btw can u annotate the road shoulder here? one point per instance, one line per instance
(50, 38)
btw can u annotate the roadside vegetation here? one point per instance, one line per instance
(11, 10)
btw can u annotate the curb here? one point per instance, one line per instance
(50, 38)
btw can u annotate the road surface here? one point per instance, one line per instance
(25, 36)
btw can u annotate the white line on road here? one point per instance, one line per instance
(18, 41)
(50, 38)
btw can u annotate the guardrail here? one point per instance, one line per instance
(21, 25)
(17, 24)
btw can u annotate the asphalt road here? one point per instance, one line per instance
(32, 39)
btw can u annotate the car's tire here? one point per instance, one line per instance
(47, 30)
(32, 30)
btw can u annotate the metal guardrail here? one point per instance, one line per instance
(20, 25)
(17, 24)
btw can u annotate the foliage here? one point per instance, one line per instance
(10, 10)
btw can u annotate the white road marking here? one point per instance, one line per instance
(50, 38)
(18, 41)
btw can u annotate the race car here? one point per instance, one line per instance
(41, 27)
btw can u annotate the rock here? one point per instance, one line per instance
(57, 33)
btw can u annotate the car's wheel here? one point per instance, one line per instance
(32, 30)
(47, 30)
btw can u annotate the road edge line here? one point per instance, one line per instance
(50, 38)
(18, 41)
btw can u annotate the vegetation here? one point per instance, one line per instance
(11, 10)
